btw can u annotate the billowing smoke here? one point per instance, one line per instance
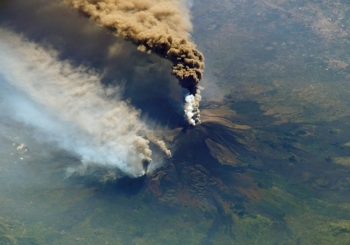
(159, 26)
(68, 105)
(191, 109)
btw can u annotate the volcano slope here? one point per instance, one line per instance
(232, 179)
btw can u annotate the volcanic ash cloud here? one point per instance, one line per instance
(68, 105)
(159, 26)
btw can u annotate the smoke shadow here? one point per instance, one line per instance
(126, 186)
(130, 186)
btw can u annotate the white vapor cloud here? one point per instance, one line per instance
(191, 107)
(68, 105)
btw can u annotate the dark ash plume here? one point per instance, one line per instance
(157, 26)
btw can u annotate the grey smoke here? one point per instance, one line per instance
(68, 105)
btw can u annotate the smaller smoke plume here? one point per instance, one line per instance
(163, 147)
(159, 26)
(158, 142)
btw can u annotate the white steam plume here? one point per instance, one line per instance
(191, 107)
(68, 105)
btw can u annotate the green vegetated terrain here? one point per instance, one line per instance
(268, 165)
